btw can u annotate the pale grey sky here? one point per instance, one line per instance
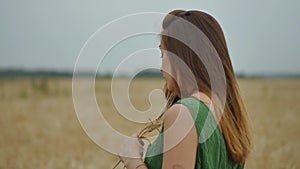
(263, 36)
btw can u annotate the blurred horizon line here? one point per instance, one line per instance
(148, 73)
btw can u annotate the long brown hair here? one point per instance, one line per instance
(233, 122)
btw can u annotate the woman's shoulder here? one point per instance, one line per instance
(194, 106)
(175, 111)
(185, 111)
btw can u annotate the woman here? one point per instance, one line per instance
(202, 127)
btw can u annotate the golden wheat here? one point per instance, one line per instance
(39, 128)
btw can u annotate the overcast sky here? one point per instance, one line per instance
(263, 36)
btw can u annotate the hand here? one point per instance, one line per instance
(131, 152)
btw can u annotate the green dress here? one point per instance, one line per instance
(211, 153)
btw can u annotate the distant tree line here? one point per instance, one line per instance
(148, 73)
(15, 73)
(12, 73)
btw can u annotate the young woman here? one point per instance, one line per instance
(201, 128)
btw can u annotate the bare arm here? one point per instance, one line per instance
(180, 139)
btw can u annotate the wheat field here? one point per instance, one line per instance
(39, 127)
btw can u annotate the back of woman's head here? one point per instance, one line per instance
(200, 52)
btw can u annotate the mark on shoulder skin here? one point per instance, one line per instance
(177, 166)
